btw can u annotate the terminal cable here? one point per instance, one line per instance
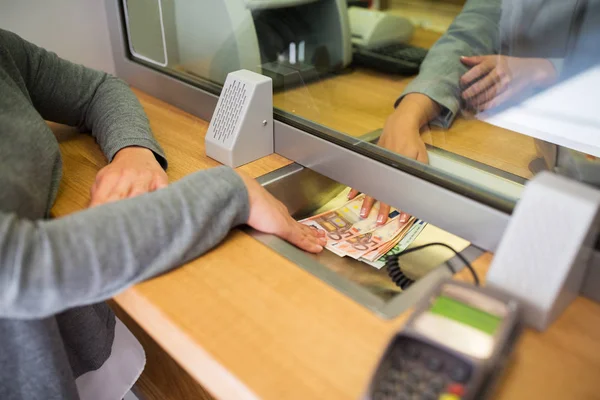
(401, 280)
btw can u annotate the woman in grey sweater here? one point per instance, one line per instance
(57, 339)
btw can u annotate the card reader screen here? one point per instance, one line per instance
(465, 314)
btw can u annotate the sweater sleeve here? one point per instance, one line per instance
(48, 266)
(475, 31)
(74, 95)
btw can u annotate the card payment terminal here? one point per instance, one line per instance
(453, 346)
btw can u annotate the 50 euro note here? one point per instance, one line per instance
(402, 245)
(359, 245)
(384, 248)
(345, 222)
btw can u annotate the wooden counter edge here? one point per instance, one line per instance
(137, 312)
(198, 363)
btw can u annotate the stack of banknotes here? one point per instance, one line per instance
(361, 238)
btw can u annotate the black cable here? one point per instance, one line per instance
(358, 3)
(396, 274)
(401, 280)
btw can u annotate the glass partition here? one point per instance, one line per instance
(479, 95)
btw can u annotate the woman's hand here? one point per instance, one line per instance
(493, 79)
(133, 171)
(269, 215)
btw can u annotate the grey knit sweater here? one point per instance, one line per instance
(54, 274)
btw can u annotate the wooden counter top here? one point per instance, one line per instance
(247, 323)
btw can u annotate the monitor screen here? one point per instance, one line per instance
(465, 314)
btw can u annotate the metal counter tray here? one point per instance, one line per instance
(303, 191)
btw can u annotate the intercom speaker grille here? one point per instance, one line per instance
(232, 102)
(241, 128)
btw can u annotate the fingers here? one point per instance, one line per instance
(384, 211)
(122, 188)
(318, 234)
(502, 97)
(367, 206)
(140, 187)
(482, 86)
(306, 238)
(403, 218)
(472, 60)
(160, 181)
(477, 71)
(112, 186)
(353, 193)
(422, 156)
(132, 171)
(102, 188)
(487, 96)
(269, 215)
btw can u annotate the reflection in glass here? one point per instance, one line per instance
(145, 29)
(353, 71)
(543, 82)
(512, 64)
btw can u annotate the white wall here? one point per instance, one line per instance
(74, 29)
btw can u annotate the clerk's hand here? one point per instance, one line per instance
(384, 209)
(133, 171)
(269, 215)
(401, 134)
(493, 79)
